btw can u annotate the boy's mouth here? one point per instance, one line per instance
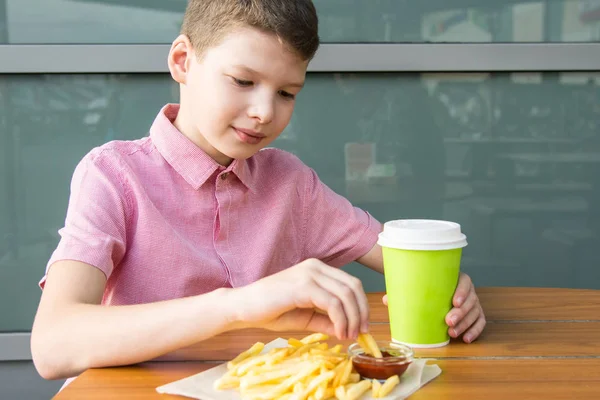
(249, 136)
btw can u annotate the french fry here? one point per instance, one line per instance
(321, 391)
(339, 372)
(244, 366)
(366, 341)
(363, 344)
(357, 389)
(313, 385)
(307, 369)
(327, 353)
(315, 337)
(252, 351)
(227, 382)
(345, 376)
(298, 387)
(257, 392)
(340, 393)
(333, 358)
(389, 385)
(291, 381)
(329, 393)
(336, 349)
(376, 386)
(254, 380)
(267, 367)
(304, 349)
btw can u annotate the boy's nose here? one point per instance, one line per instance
(262, 110)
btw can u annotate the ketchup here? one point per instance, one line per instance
(380, 368)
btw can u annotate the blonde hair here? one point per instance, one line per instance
(294, 22)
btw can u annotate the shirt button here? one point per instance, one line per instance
(224, 175)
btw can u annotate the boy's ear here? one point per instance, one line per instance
(180, 57)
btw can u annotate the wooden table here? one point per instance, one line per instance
(538, 344)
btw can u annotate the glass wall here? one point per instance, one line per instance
(512, 157)
(158, 21)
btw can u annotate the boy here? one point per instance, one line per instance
(195, 230)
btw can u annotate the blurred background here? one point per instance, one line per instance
(511, 155)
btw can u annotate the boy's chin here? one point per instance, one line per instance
(241, 154)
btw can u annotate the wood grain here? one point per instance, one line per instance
(540, 304)
(552, 339)
(540, 343)
(135, 382)
(522, 380)
(522, 304)
(460, 379)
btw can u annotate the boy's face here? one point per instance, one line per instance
(240, 96)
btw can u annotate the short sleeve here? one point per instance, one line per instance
(94, 231)
(335, 231)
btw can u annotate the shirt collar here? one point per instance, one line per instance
(189, 160)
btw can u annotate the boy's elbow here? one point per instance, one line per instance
(50, 363)
(44, 366)
(45, 369)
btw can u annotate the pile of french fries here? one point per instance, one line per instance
(305, 370)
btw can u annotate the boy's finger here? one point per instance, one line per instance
(462, 290)
(322, 299)
(456, 315)
(474, 332)
(349, 302)
(466, 322)
(384, 299)
(356, 286)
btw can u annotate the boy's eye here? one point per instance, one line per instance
(287, 95)
(241, 82)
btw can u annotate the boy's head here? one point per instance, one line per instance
(240, 64)
(294, 22)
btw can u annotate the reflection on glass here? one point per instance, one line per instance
(47, 124)
(157, 21)
(512, 157)
(93, 21)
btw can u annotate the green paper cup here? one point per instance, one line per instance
(421, 261)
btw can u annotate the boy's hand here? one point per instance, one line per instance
(467, 315)
(291, 299)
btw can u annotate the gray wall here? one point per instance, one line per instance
(20, 381)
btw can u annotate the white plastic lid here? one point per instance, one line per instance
(422, 234)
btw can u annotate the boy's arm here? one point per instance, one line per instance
(373, 259)
(72, 332)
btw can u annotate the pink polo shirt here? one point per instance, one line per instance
(163, 220)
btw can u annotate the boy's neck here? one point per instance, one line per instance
(190, 131)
